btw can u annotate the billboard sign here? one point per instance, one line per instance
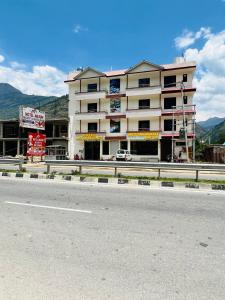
(32, 118)
(36, 144)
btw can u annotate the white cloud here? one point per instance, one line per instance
(210, 75)
(40, 80)
(188, 38)
(16, 65)
(78, 28)
(2, 58)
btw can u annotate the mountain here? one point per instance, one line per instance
(217, 133)
(11, 98)
(57, 108)
(210, 123)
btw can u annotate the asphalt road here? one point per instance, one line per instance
(72, 241)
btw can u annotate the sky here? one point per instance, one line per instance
(42, 40)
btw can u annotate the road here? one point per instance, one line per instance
(72, 241)
(41, 168)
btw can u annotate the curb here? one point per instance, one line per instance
(119, 181)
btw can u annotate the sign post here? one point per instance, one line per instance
(34, 119)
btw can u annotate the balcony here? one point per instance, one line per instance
(143, 112)
(167, 89)
(143, 90)
(90, 94)
(188, 110)
(91, 115)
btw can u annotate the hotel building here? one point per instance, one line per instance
(147, 109)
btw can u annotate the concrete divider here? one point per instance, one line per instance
(142, 183)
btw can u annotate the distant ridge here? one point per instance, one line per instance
(11, 98)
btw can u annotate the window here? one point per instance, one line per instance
(114, 126)
(115, 105)
(170, 81)
(143, 125)
(10, 130)
(144, 82)
(92, 107)
(123, 145)
(92, 87)
(169, 102)
(144, 147)
(92, 127)
(168, 125)
(105, 150)
(184, 77)
(64, 129)
(185, 99)
(144, 103)
(114, 86)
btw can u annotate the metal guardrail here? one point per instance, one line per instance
(19, 162)
(140, 165)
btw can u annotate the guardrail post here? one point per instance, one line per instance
(80, 169)
(48, 168)
(115, 173)
(159, 174)
(196, 177)
(20, 166)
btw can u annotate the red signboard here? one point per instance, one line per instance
(36, 144)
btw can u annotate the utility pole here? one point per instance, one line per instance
(184, 120)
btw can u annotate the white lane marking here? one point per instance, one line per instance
(50, 207)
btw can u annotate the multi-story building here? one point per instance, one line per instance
(146, 109)
(13, 139)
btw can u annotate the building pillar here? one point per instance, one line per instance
(53, 130)
(1, 130)
(18, 147)
(128, 145)
(159, 149)
(101, 149)
(3, 148)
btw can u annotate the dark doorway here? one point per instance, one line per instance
(11, 148)
(92, 150)
(166, 149)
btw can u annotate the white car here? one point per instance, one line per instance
(123, 155)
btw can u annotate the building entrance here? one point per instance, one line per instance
(92, 150)
(166, 149)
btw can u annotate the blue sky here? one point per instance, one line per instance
(63, 35)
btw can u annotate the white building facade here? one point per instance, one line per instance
(147, 109)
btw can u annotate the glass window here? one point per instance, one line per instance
(144, 103)
(170, 81)
(144, 147)
(185, 99)
(92, 107)
(92, 87)
(123, 145)
(114, 86)
(143, 125)
(105, 150)
(169, 102)
(92, 127)
(144, 82)
(114, 126)
(115, 105)
(184, 77)
(168, 125)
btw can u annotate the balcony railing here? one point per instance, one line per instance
(143, 90)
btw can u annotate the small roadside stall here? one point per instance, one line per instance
(55, 152)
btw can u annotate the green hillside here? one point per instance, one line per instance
(11, 98)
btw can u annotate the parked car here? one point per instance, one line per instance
(123, 155)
